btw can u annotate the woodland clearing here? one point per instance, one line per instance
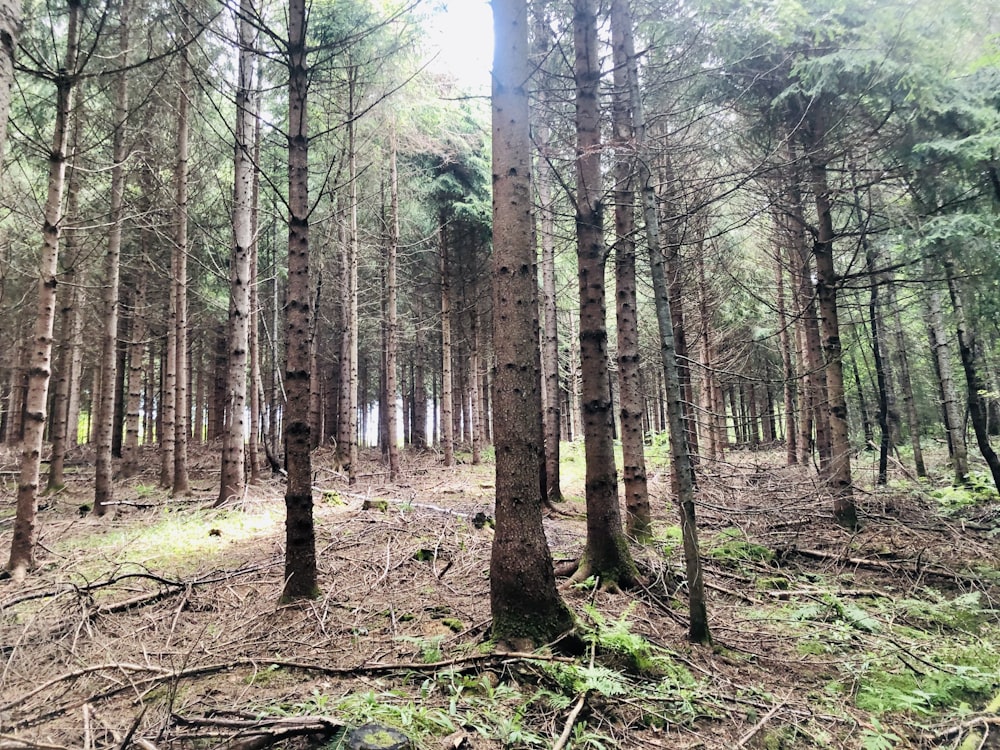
(160, 626)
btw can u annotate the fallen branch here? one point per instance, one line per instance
(570, 721)
(745, 739)
(864, 562)
(120, 666)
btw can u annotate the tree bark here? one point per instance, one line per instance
(391, 313)
(103, 479)
(906, 386)
(952, 415)
(300, 534)
(787, 362)
(10, 27)
(233, 472)
(256, 378)
(447, 398)
(839, 477)
(607, 555)
(137, 350)
(22, 546)
(523, 598)
(974, 384)
(637, 511)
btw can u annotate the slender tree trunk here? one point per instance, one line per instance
(419, 379)
(680, 455)
(637, 512)
(233, 473)
(70, 314)
(875, 321)
(137, 350)
(182, 409)
(551, 393)
(10, 26)
(839, 478)
(105, 417)
(866, 422)
(256, 379)
(300, 535)
(787, 367)
(952, 415)
(447, 408)
(607, 554)
(906, 386)
(22, 546)
(975, 386)
(391, 313)
(711, 439)
(523, 598)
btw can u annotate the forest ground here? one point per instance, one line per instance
(160, 626)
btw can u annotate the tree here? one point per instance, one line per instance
(233, 475)
(523, 596)
(105, 417)
(607, 555)
(300, 534)
(10, 23)
(22, 546)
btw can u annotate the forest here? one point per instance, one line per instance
(643, 397)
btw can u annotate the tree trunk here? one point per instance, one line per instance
(105, 417)
(607, 554)
(300, 534)
(137, 348)
(787, 366)
(181, 407)
(839, 477)
(952, 415)
(523, 598)
(447, 425)
(975, 386)
(10, 26)
(906, 386)
(875, 321)
(551, 394)
(22, 546)
(233, 472)
(637, 511)
(391, 314)
(256, 379)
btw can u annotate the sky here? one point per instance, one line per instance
(463, 32)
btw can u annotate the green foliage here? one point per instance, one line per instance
(964, 613)
(979, 488)
(732, 544)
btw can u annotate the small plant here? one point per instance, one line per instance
(732, 544)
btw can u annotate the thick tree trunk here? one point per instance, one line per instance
(606, 555)
(974, 384)
(233, 472)
(105, 416)
(952, 415)
(839, 477)
(525, 604)
(22, 546)
(300, 534)
(637, 511)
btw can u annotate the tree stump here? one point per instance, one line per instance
(377, 737)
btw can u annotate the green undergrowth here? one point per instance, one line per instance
(626, 678)
(977, 490)
(172, 541)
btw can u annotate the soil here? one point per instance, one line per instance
(146, 629)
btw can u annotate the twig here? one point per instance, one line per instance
(20, 742)
(745, 739)
(570, 721)
(122, 666)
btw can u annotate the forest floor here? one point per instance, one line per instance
(160, 627)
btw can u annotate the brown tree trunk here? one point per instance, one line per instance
(10, 25)
(137, 350)
(952, 415)
(22, 546)
(105, 416)
(637, 511)
(975, 386)
(905, 385)
(839, 477)
(300, 535)
(256, 378)
(391, 314)
(524, 602)
(233, 471)
(447, 398)
(787, 366)
(607, 554)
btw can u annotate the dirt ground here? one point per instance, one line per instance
(160, 626)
